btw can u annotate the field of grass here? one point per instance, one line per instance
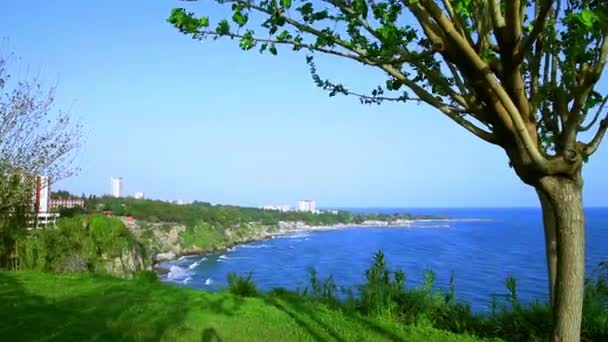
(78, 307)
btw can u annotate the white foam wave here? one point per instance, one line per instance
(178, 273)
(298, 236)
(256, 246)
(182, 258)
(193, 266)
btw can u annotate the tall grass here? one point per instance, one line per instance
(242, 286)
(385, 295)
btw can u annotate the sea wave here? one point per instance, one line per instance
(196, 263)
(256, 246)
(177, 273)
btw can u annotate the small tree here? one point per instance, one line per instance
(34, 140)
(517, 74)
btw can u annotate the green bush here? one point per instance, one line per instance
(380, 293)
(146, 276)
(77, 244)
(321, 290)
(242, 286)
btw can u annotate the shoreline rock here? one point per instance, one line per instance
(286, 228)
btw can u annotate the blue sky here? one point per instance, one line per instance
(180, 119)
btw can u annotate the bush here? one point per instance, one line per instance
(321, 290)
(382, 289)
(146, 276)
(77, 244)
(242, 286)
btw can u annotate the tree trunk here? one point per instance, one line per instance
(564, 197)
(550, 224)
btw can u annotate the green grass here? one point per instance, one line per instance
(37, 306)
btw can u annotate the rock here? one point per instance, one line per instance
(164, 256)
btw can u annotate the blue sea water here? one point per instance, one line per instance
(481, 254)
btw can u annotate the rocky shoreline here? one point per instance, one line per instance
(286, 228)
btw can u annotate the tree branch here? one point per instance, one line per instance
(595, 117)
(593, 145)
(523, 46)
(291, 43)
(449, 112)
(513, 20)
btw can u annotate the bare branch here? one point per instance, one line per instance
(497, 19)
(595, 117)
(513, 20)
(449, 112)
(523, 46)
(593, 145)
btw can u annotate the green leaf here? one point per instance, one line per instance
(247, 42)
(273, 49)
(360, 7)
(263, 47)
(286, 3)
(306, 9)
(223, 28)
(284, 35)
(588, 18)
(239, 18)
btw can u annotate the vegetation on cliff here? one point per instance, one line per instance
(82, 244)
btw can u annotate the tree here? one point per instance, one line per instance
(34, 140)
(517, 74)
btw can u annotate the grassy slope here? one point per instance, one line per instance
(77, 307)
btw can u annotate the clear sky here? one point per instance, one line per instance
(181, 119)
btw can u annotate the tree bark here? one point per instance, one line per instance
(564, 196)
(550, 224)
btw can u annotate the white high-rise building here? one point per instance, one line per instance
(43, 194)
(116, 186)
(307, 205)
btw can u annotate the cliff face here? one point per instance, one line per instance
(130, 261)
(167, 241)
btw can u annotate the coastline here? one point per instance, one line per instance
(287, 228)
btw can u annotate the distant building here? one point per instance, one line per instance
(42, 199)
(138, 195)
(116, 186)
(42, 204)
(280, 207)
(307, 205)
(67, 203)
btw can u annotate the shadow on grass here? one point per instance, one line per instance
(210, 335)
(307, 316)
(104, 310)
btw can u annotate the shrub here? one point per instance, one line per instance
(242, 286)
(324, 290)
(77, 244)
(146, 276)
(595, 306)
(382, 289)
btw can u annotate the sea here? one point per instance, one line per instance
(480, 251)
